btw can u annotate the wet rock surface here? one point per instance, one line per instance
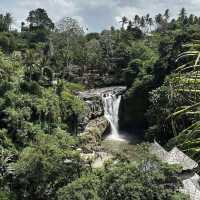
(94, 104)
(94, 131)
(99, 91)
(95, 125)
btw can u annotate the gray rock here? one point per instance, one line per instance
(94, 103)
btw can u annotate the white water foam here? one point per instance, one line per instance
(111, 104)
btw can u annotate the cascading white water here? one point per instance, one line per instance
(111, 111)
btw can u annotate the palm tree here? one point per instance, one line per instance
(185, 89)
(159, 20)
(147, 18)
(1, 23)
(166, 15)
(196, 20)
(183, 17)
(147, 22)
(8, 20)
(137, 20)
(191, 19)
(151, 23)
(32, 59)
(142, 22)
(182, 14)
(5, 22)
(124, 21)
(130, 25)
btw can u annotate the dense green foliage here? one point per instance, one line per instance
(173, 114)
(43, 67)
(35, 140)
(146, 181)
(179, 105)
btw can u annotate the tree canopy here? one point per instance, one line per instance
(39, 19)
(44, 68)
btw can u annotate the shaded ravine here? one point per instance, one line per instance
(126, 144)
(117, 142)
(114, 141)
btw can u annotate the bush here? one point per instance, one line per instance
(150, 180)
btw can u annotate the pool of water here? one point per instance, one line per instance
(127, 146)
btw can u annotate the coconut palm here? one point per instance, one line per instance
(130, 25)
(137, 20)
(166, 15)
(147, 18)
(124, 21)
(159, 20)
(5, 22)
(151, 23)
(191, 19)
(142, 22)
(185, 92)
(182, 14)
(8, 20)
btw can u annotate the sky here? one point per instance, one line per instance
(96, 15)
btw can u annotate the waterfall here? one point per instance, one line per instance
(111, 98)
(111, 104)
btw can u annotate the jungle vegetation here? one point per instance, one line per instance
(157, 58)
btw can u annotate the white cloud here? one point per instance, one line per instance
(97, 14)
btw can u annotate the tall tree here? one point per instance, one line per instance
(147, 18)
(39, 19)
(166, 15)
(196, 20)
(191, 19)
(124, 21)
(130, 25)
(5, 22)
(182, 14)
(183, 17)
(159, 21)
(151, 23)
(159, 18)
(137, 20)
(69, 26)
(67, 40)
(142, 22)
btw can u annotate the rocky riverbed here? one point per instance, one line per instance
(98, 147)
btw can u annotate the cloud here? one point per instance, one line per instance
(97, 14)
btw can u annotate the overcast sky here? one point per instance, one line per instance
(96, 14)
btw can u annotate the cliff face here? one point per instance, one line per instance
(94, 109)
(134, 102)
(133, 107)
(93, 125)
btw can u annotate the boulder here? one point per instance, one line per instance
(94, 132)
